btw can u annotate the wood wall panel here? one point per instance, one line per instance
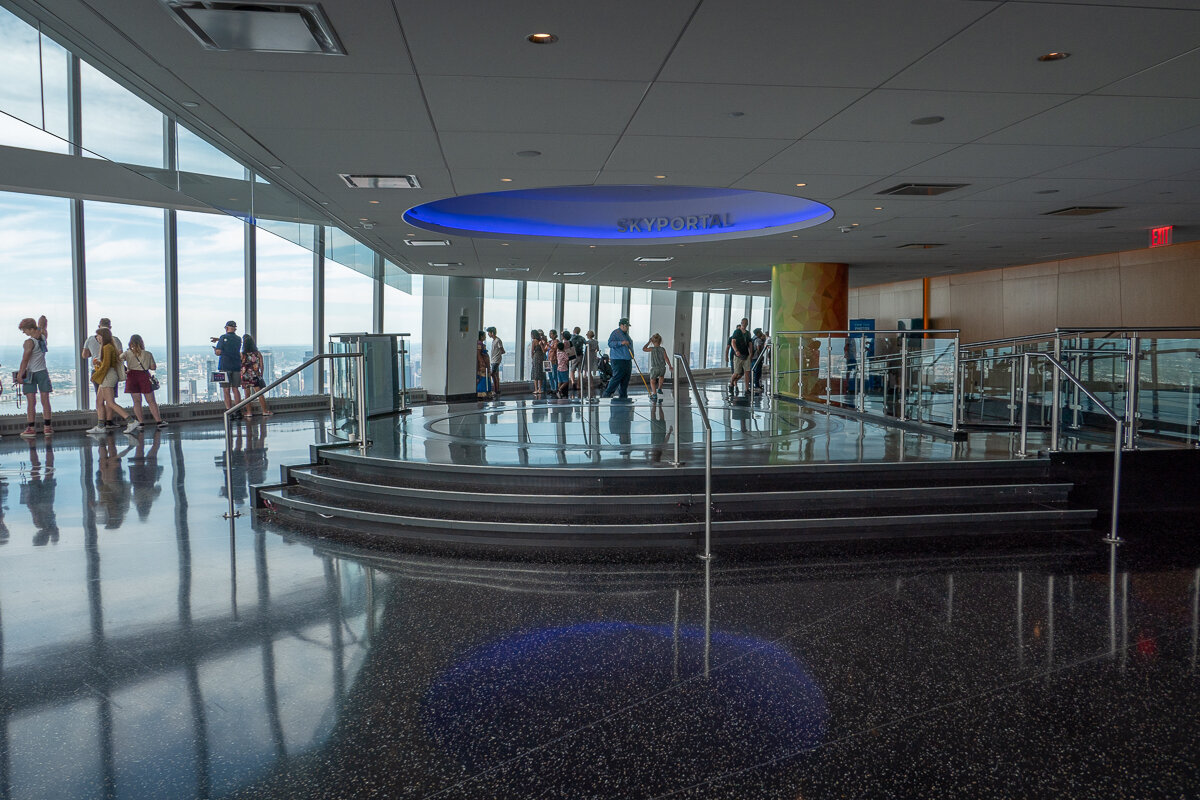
(1089, 299)
(1030, 303)
(1162, 293)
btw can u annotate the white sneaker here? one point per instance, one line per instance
(98, 428)
(132, 426)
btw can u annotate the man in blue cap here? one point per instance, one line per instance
(620, 352)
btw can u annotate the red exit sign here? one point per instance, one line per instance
(1161, 237)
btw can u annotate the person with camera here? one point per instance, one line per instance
(228, 348)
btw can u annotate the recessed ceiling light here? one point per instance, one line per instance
(927, 120)
(189, 104)
(795, 236)
(542, 38)
(879, 208)
(324, 202)
(757, 281)
(373, 202)
(444, 263)
(529, 153)
(504, 244)
(570, 274)
(380, 181)
(802, 184)
(655, 258)
(276, 166)
(363, 219)
(512, 269)
(1055, 56)
(659, 280)
(660, 177)
(427, 242)
(719, 289)
(506, 180)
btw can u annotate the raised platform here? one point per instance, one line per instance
(525, 473)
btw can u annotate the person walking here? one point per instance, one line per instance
(620, 352)
(228, 348)
(496, 356)
(252, 374)
(659, 363)
(104, 376)
(740, 349)
(33, 375)
(91, 352)
(140, 382)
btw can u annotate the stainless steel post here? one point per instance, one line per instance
(774, 371)
(1022, 451)
(1055, 386)
(1113, 537)
(828, 369)
(903, 409)
(231, 514)
(860, 402)
(675, 393)
(360, 369)
(1012, 392)
(957, 398)
(1075, 404)
(707, 493)
(1132, 383)
(403, 376)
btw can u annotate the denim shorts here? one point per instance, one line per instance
(36, 382)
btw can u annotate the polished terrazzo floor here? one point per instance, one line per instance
(147, 654)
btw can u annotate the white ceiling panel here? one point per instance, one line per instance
(683, 153)
(1176, 77)
(1103, 122)
(887, 114)
(1155, 193)
(471, 181)
(1004, 160)
(999, 52)
(767, 112)
(371, 152)
(1132, 163)
(1186, 138)
(815, 157)
(646, 176)
(857, 43)
(614, 40)
(559, 151)
(1056, 192)
(816, 187)
(337, 101)
(522, 104)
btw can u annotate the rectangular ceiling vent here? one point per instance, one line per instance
(380, 181)
(1080, 211)
(921, 245)
(280, 27)
(923, 189)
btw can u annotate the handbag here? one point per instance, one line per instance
(154, 384)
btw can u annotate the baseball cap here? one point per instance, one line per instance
(231, 324)
(623, 321)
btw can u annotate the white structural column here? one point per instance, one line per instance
(448, 351)
(671, 316)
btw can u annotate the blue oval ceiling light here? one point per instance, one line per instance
(620, 214)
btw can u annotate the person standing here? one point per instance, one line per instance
(33, 375)
(252, 374)
(658, 366)
(760, 357)
(228, 348)
(139, 373)
(620, 353)
(740, 347)
(104, 376)
(91, 352)
(497, 358)
(483, 368)
(536, 355)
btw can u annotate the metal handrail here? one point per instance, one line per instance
(707, 446)
(229, 412)
(1120, 421)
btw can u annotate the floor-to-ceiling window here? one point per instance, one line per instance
(117, 124)
(577, 307)
(639, 325)
(35, 244)
(609, 313)
(697, 344)
(212, 268)
(126, 279)
(402, 306)
(285, 309)
(539, 311)
(500, 312)
(758, 313)
(33, 92)
(719, 329)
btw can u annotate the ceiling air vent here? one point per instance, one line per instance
(923, 189)
(1080, 211)
(380, 181)
(921, 245)
(259, 27)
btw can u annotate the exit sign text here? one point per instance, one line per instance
(1161, 237)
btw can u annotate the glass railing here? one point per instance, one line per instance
(1163, 364)
(902, 375)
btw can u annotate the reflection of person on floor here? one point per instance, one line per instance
(256, 453)
(144, 473)
(37, 494)
(3, 505)
(237, 468)
(658, 432)
(112, 490)
(620, 420)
